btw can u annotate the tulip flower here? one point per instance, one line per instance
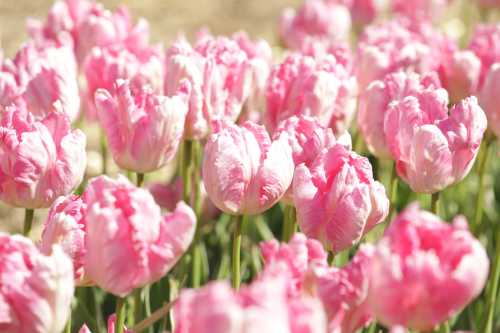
(365, 11)
(315, 19)
(420, 10)
(39, 160)
(488, 98)
(460, 75)
(220, 75)
(65, 226)
(336, 198)
(425, 270)
(303, 86)
(111, 326)
(143, 130)
(486, 46)
(37, 288)
(123, 252)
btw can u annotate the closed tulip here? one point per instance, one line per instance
(143, 129)
(243, 170)
(488, 98)
(39, 160)
(485, 43)
(36, 289)
(336, 198)
(129, 243)
(425, 270)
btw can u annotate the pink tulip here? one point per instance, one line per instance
(488, 98)
(104, 66)
(315, 19)
(399, 45)
(220, 75)
(375, 100)
(485, 43)
(336, 198)
(433, 149)
(302, 86)
(111, 326)
(39, 160)
(425, 270)
(65, 226)
(143, 130)
(420, 10)
(122, 251)
(243, 170)
(344, 292)
(460, 75)
(365, 11)
(37, 289)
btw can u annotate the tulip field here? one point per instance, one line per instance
(312, 166)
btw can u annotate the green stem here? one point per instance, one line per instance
(28, 221)
(139, 179)
(186, 171)
(104, 153)
(289, 223)
(483, 162)
(394, 192)
(153, 318)
(196, 266)
(435, 203)
(444, 327)
(137, 305)
(67, 329)
(236, 264)
(120, 315)
(492, 291)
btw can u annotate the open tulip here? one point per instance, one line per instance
(425, 270)
(36, 289)
(336, 198)
(39, 160)
(243, 170)
(143, 130)
(122, 251)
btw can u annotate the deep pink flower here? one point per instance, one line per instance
(375, 100)
(336, 198)
(303, 86)
(433, 149)
(314, 20)
(365, 11)
(220, 75)
(65, 226)
(143, 129)
(424, 270)
(243, 170)
(122, 251)
(39, 160)
(37, 289)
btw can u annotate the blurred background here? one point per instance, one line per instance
(166, 17)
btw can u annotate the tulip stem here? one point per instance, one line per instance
(137, 305)
(492, 290)
(435, 203)
(139, 179)
(153, 318)
(28, 221)
(120, 315)
(67, 329)
(185, 171)
(289, 223)
(236, 277)
(104, 153)
(483, 162)
(394, 191)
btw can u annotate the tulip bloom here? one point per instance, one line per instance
(485, 43)
(315, 19)
(434, 149)
(424, 270)
(111, 326)
(65, 226)
(220, 75)
(122, 251)
(336, 198)
(488, 97)
(420, 10)
(303, 86)
(39, 160)
(460, 74)
(37, 289)
(365, 11)
(243, 170)
(143, 130)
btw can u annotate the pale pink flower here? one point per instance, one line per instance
(65, 226)
(303, 86)
(488, 98)
(315, 20)
(220, 75)
(460, 74)
(375, 100)
(344, 292)
(39, 160)
(425, 270)
(37, 289)
(420, 10)
(365, 11)
(336, 198)
(143, 129)
(122, 251)
(485, 43)
(104, 66)
(111, 326)
(433, 147)
(244, 171)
